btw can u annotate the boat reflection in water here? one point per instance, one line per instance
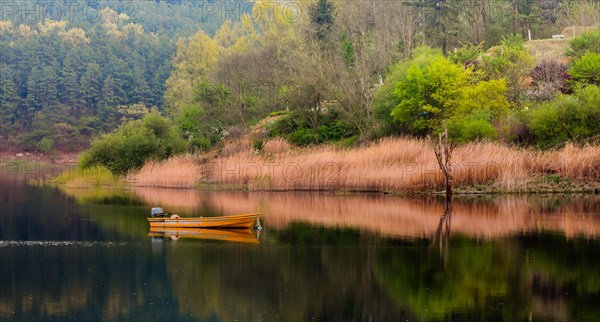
(230, 235)
(236, 228)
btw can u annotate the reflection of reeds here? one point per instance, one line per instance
(408, 217)
(399, 164)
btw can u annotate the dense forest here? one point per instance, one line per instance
(70, 70)
(325, 70)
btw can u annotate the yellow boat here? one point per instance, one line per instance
(223, 222)
(231, 235)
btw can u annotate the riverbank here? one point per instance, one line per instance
(395, 165)
(392, 166)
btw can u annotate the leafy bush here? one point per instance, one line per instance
(511, 63)
(350, 142)
(586, 42)
(466, 55)
(514, 127)
(304, 136)
(586, 69)
(335, 130)
(199, 143)
(259, 144)
(514, 41)
(568, 117)
(46, 145)
(303, 127)
(132, 144)
(190, 122)
(473, 127)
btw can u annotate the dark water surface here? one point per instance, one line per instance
(86, 255)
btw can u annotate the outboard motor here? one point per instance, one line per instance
(157, 212)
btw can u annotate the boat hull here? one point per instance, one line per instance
(223, 222)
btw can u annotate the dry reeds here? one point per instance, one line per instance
(396, 164)
(180, 172)
(276, 146)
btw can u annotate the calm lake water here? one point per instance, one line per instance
(86, 255)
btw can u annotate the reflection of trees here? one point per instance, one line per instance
(77, 282)
(505, 279)
(328, 273)
(278, 282)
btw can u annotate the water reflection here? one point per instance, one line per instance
(230, 235)
(322, 257)
(478, 216)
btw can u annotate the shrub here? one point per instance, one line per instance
(586, 69)
(511, 64)
(549, 78)
(132, 144)
(473, 127)
(199, 143)
(586, 42)
(258, 144)
(305, 127)
(568, 117)
(466, 55)
(350, 142)
(303, 137)
(514, 127)
(514, 41)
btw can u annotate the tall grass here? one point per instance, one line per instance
(398, 164)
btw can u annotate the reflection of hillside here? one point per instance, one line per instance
(93, 283)
(405, 217)
(243, 283)
(543, 278)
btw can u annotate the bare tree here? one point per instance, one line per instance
(443, 152)
(579, 13)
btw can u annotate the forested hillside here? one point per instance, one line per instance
(334, 71)
(70, 70)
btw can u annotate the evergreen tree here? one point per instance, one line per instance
(322, 15)
(9, 103)
(90, 86)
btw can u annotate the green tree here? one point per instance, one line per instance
(586, 42)
(132, 144)
(189, 122)
(586, 69)
(9, 103)
(435, 89)
(385, 100)
(430, 94)
(109, 101)
(91, 86)
(322, 15)
(512, 63)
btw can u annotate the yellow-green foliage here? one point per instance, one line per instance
(87, 177)
(441, 90)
